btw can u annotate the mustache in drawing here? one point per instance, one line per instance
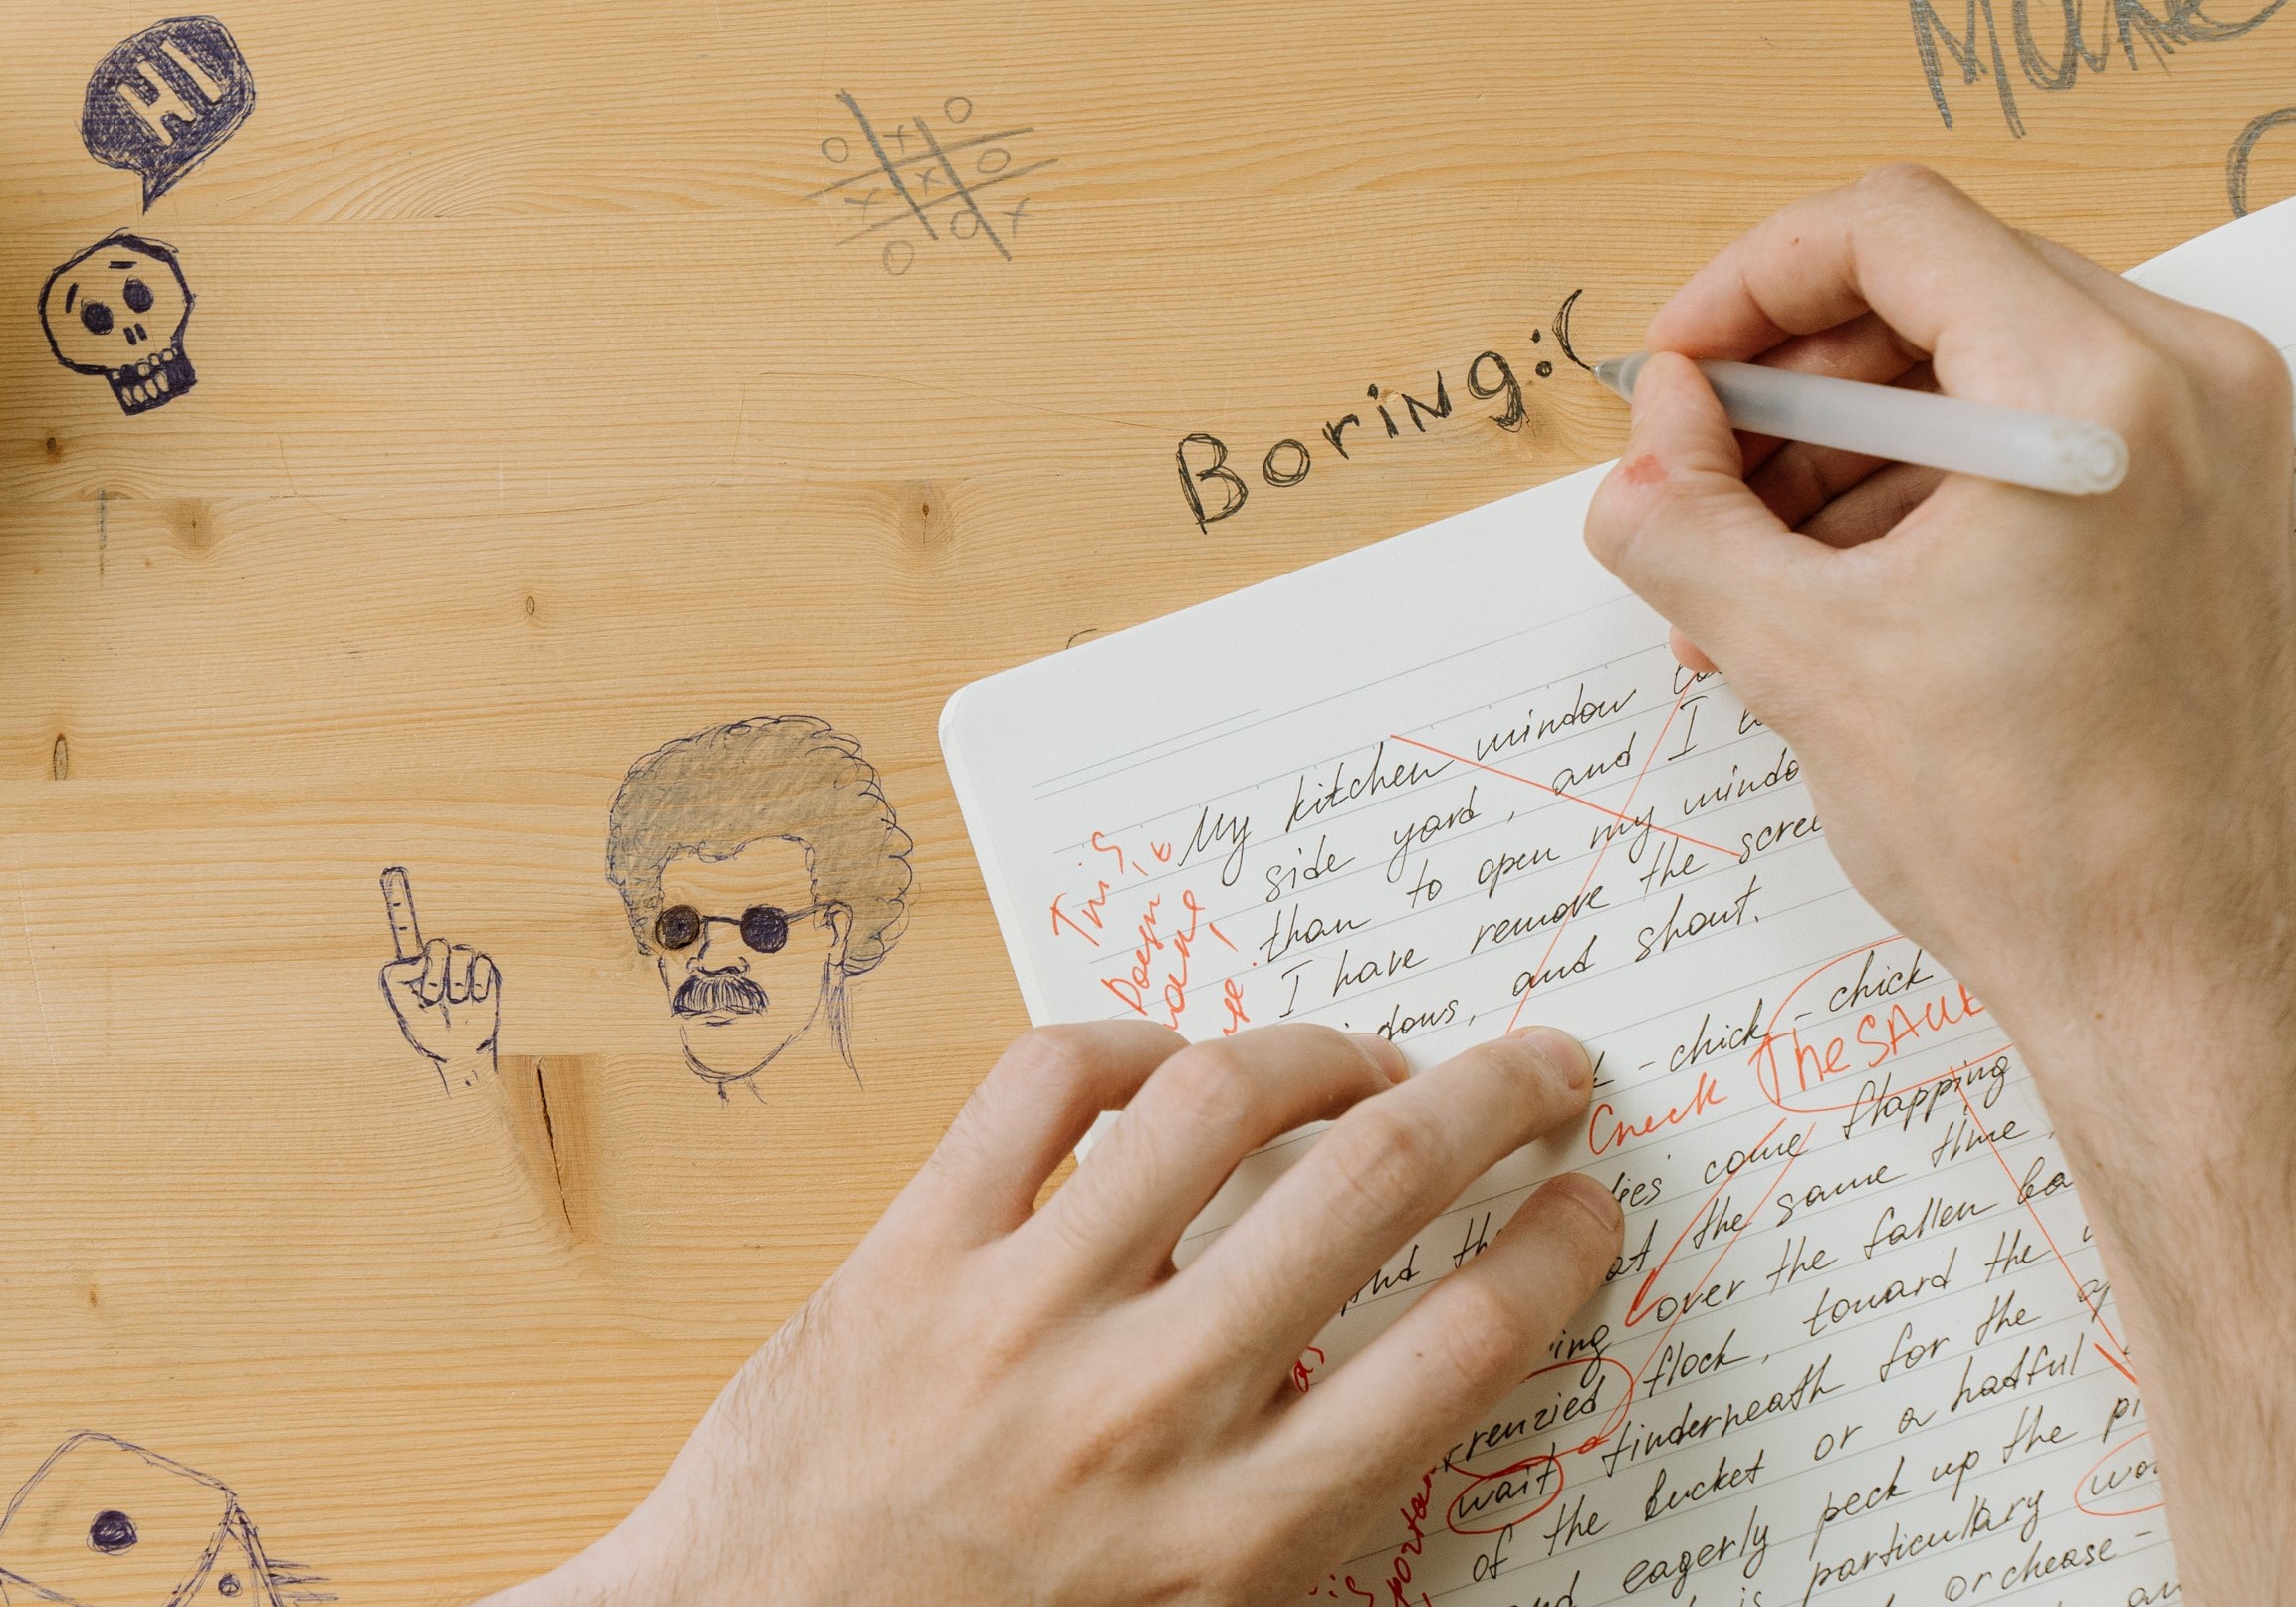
(712, 994)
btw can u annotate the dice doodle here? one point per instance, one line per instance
(105, 1523)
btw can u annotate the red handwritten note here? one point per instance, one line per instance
(1859, 1345)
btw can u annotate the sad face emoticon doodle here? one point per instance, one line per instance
(119, 308)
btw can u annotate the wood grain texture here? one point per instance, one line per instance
(543, 418)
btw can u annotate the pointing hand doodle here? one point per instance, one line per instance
(447, 997)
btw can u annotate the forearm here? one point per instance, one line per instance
(2175, 1101)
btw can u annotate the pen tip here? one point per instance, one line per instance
(1618, 373)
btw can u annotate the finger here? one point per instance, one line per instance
(1874, 507)
(1799, 479)
(483, 978)
(458, 964)
(1379, 1175)
(1687, 654)
(1862, 347)
(398, 904)
(1203, 1110)
(2000, 323)
(1040, 1098)
(1391, 1410)
(1674, 521)
(1865, 349)
(433, 988)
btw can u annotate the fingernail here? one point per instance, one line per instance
(1384, 1054)
(1591, 1198)
(1561, 1052)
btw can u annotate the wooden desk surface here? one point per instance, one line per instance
(570, 380)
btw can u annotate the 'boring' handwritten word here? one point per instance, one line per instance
(1216, 490)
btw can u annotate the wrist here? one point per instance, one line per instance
(2171, 1080)
(459, 1071)
(613, 1573)
(668, 1552)
(2172, 1086)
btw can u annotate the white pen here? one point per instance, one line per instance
(2039, 450)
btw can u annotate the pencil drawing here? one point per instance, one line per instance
(447, 996)
(163, 101)
(1977, 51)
(2236, 159)
(1216, 488)
(761, 870)
(105, 1523)
(119, 308)
(906, 180)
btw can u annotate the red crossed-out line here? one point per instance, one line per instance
(1587, 802)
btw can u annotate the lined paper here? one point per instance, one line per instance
(1859, 1344)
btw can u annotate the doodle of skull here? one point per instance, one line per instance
(119, 308)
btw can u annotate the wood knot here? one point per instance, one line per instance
(192, 523)
(59, 759)
(922, 516)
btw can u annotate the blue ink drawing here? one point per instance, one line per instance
(163, 101)
(105, 1523)
(119, 308)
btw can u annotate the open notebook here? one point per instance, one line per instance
(1859, 1347)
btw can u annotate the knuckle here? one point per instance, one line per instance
(1588, 1244)
(1383, 1159)
(1481, 1334)
(1046, 1060)
(1120, 1427)
(1905, 183)
(2253, 370)
(1336, 1051)
(2142, 391)
(1213, 1087)
(1090, 1224)
(1533, 1094)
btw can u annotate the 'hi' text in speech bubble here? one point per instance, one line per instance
(161, 101)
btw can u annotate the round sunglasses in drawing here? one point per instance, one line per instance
(765, 929)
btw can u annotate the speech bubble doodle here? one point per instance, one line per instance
(119, 308)
(161, 101)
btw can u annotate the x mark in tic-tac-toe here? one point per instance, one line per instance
(913, 175)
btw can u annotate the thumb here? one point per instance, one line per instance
(1675, 521)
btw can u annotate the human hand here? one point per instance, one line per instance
(447, 997)
(2052, 738)
(991, 1403)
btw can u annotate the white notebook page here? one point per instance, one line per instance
(1860, 1347)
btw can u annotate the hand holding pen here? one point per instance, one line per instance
(2052, 737)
